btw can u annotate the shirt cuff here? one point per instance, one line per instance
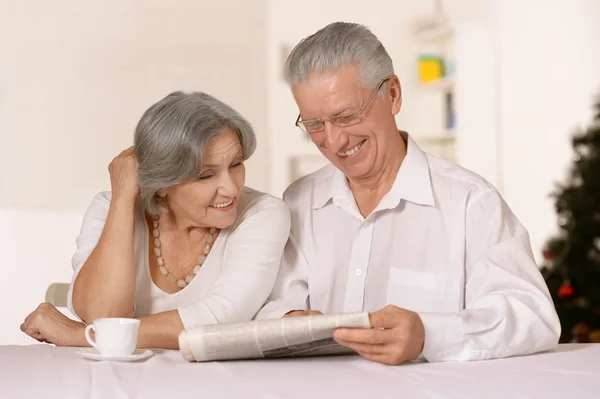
(443, 336)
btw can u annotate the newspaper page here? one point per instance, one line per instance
(275, 338)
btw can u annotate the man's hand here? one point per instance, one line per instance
(397, 335)
(295, 313)
(48, 324)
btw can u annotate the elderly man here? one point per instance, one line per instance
(387, 224)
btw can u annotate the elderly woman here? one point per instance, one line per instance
(179, 241)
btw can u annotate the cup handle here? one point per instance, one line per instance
(88, 338)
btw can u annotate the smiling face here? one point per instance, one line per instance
(360, 151)
(211, 199)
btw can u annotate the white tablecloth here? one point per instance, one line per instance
(44, 371)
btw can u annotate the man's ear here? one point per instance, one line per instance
(395, 94)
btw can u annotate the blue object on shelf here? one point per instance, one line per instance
(451, 68)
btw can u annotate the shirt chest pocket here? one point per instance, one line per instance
(424, 292)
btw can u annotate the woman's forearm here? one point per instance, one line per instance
(105, 285)
(160, 330)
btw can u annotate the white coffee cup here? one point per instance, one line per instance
(114, 336)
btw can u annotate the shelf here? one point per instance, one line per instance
(444, 84)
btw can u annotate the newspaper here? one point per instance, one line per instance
(275, 338)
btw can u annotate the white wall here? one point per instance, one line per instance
(36, 251)
(75, 78)
(550, 72)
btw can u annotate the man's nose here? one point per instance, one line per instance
(334, 138)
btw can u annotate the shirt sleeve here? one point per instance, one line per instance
(249, 269)
(93, 223)
(291, 288)
(508, 309)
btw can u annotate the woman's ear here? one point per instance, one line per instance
(162, 193)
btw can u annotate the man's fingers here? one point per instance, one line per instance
(379, 358)
(361, 348)
(385, 318)
(362, 335)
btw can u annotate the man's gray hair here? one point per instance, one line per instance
(171, 135)
(339, 44)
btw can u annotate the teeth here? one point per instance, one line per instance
(222, 204)
(351, 150)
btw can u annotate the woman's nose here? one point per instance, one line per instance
(228, 188)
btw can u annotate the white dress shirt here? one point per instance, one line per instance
(442, 242)
(236, 277)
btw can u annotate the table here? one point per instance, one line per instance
(44, 371)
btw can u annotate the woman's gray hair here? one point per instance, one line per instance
(339, 44)
(171, 135)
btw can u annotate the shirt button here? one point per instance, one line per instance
(358, 272)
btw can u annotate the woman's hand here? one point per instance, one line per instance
(48, 324)
(295, 313)
(123, 175)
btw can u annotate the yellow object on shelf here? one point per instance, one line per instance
(430, 68)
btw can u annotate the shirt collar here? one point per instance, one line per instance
(335, 189)
(413, 183)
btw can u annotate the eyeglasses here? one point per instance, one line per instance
(316, 125)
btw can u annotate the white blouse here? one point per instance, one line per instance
(442, 242)
(234, 281)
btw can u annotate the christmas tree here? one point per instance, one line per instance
(572, 258)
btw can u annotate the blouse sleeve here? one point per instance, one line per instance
(249, 267)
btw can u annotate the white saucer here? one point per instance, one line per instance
(93, 354)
